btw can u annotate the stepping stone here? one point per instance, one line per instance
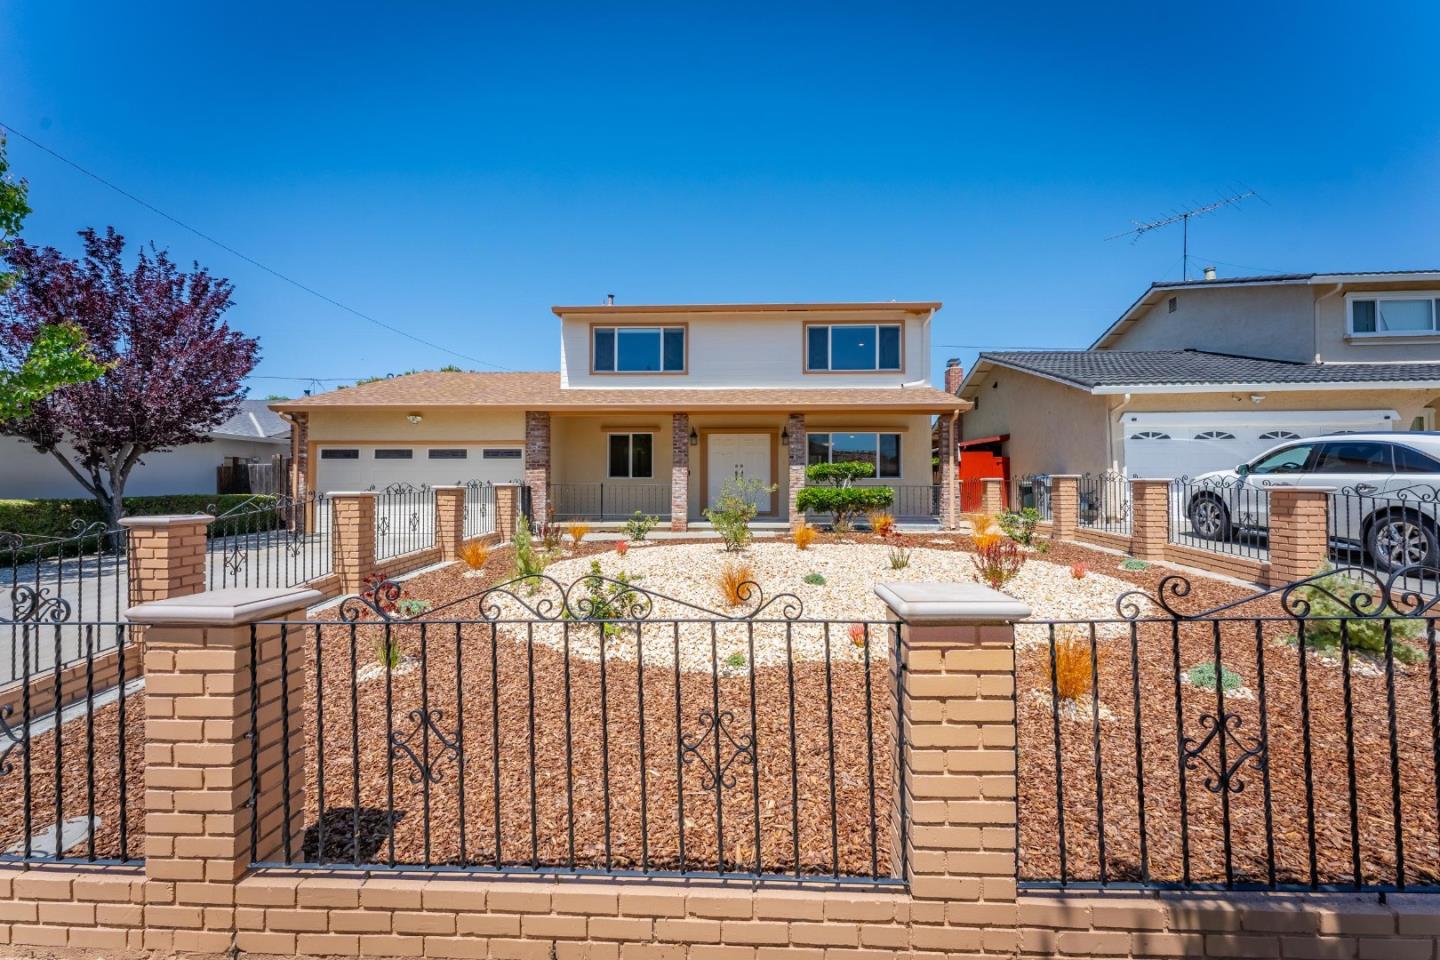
(73, 831)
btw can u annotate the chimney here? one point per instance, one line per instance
(1209, 273)
(954, 373)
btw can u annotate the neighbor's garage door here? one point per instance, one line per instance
(378, 466)
(1186, 444)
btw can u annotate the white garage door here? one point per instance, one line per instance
(1186, 444)
(365, 466)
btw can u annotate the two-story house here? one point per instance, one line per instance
(1204, 374)
(653, 409)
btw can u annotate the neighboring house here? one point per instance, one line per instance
(1204, 374)
(254, 434)
(653, 409)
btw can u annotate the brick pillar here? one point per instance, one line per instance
(352, 537)
(1064, 505)
(167, 555)
(796, 451)
(1149, 518)
(1299, 532)
(198, 757)
(299, 455)
(992, 495)
(679, 471)
(449, 521)
(949, 479)
(537, 462)
(507, 509)
(958, 780)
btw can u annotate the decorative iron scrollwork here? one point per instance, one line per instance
(722, 754)
(1224, 734)
(35, 605)
(235, 559)
(14, 741)
(412, 744)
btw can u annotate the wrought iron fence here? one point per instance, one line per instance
(1228, 515)
(608, 501)
(1385, 528)
(70, 754)
(1032, 490)
(915, 501)
(269, 541)
(596, 728)
(1286, 740)
(1104, 502)
(479, 508)
(404, 519)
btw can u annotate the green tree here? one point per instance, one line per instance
(13, 209)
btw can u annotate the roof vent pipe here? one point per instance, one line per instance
(609, 299)
(1209, 273)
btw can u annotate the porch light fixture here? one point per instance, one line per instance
(694, 437)
(785, 434)
(414, 418)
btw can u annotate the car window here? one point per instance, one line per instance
(1353, 456)
(1289, 460)
(1408, 460)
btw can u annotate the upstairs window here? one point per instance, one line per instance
(638, 349)
(1395, 314)
(847, 347)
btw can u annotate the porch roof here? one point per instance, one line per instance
(542, 391)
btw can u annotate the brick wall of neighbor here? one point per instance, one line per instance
(679, 471)
(537, 461)
(796, 455)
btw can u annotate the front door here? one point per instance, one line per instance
(738, 455)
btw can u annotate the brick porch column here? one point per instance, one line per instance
(198, 785)
(167, 555)
(449, 521)
(1064, 505)
(1299, 532)
(795, 457)
(1149, 518)
(992, 495)
(507, 509)
(949, 473)
(352, 537)
(537, 462)
(679, 471)
(956, 649)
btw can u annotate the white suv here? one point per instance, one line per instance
(1386, 496)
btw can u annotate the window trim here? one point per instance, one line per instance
(630, 455)
(339, 453)
(877, 432)
(1380, 295)
(682, 326)
(447, 453)
(392, 453)
(488, 453)
(831, 324)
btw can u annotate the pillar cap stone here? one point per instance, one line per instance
(167, 520)
(937, 604)
(232, 607)
(353, 493)
(449, 486)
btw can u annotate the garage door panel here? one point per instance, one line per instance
(1185, 444)
(505, 464)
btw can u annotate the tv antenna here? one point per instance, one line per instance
(1183, 218)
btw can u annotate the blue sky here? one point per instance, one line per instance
(455, 169)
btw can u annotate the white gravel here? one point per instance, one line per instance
(686, 572)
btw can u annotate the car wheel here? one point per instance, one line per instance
(1401, 539)
(1209, 518)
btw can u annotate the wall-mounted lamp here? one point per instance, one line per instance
(694, 437)
(414, 418)
(785, 435)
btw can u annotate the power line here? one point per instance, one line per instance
(236, 253)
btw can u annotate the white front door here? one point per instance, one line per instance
(742, 455)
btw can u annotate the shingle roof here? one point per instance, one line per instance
(1113, 368)
(542, 391)
(254, 421)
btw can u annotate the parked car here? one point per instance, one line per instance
(1386, 496)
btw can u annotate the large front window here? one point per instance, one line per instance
(638, 349)
(880, 449)
(844, 347)
(1395, 315)
(632, 455)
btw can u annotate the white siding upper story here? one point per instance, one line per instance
(743, 349)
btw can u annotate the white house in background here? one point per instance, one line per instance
(1204, 374)
(254, 433)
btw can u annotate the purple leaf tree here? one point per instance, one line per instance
(174, 367)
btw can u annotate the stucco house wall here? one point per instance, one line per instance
(1053, 428)
(1274, 322)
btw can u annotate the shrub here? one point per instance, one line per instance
(1041, 547)
(814, 579)
(841, 474)
(1078, 571)
(736, 660)
(988, 539)
(387, 650)
(803, 536)
(734, 581)
(1323, 622)
(734, 510)
(843, 503)
(899, 557)
(1134, 564)
(857, 634)
(639, 525)
(550, 535)
(529, 562)
(605, 600)
(412, 607)
(578, 532)
(1073, 674)
(623, 547)
(882, 523)
(999, 563)
(475, 555)
(1202, 675)
(52, 518)
(1019, 525)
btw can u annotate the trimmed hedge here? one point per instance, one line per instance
(53, 518)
